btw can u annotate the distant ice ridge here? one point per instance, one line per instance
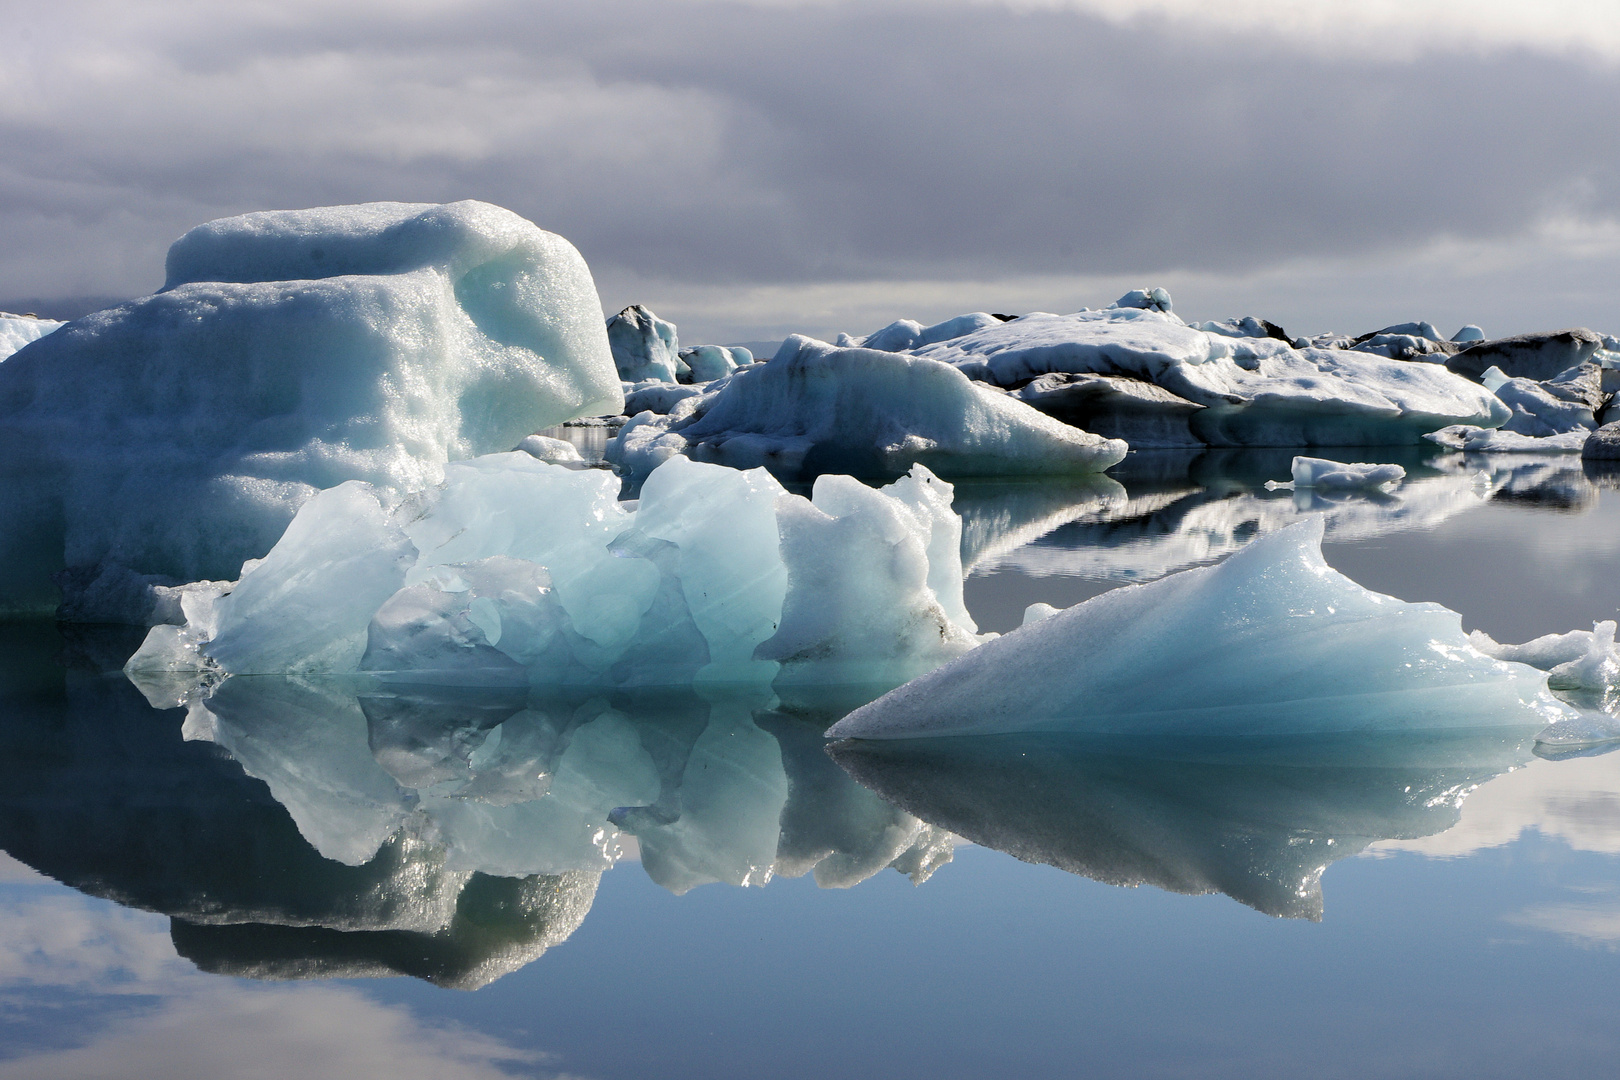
(517, 571)
(1322, 475)
(174, 436)
(821, 408)
(1218, 385)
(19, 330)
(1270, 642)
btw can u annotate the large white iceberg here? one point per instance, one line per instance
(1228, 391)
(288, 352)
(518, 571)
(1270, 642)
(820, 408)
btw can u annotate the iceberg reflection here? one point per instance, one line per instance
(306, 828)
(1259, 822)
(1179, 510)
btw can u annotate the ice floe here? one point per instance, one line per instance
(818, 408)
(1257, 391)
(175, 435)
(515, 570)
(645, 346)
(1322, 475)
(1270, 642)
(1478, 440)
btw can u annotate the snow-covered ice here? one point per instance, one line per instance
(289, 351)
(821, 408)
(1322, 475)
(1270, 642)
(517, 571)
(19, 330)
(1245, 391)
(1478, 440)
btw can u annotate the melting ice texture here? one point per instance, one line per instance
(288, 352)
(1270, 642)
(516, 571)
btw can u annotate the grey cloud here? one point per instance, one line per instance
(723, 144)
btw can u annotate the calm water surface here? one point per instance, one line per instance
(332, 880)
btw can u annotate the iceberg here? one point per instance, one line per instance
(818, 408)
(1567, 403)
(1322, 475)
(516, 571)
(707, 363)
(644, 346)
(1529, 356)
(172, 437)
(1230, 391)
(1479, 440)
(1271, 642)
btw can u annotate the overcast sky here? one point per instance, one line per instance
(754, 168)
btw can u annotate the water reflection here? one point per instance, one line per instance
(1258, 822)
(301, 829)
(1176, 510)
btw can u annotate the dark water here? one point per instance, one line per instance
(328, 880)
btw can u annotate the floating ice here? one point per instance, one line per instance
(1323, 475)
(516, 571)
(644, 346)
(706, 363)
(903, 334)
(819, 408)
(1478, 440)
(290, 351)
(1271, 642)
(18, 330)
(1583, 668)
(1248, 391)
(1567, 403)
(1529, 356)
(545, 448)
(655, 396)
(1581, 660)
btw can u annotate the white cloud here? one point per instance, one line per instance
(1575, 800)
(204, 1025)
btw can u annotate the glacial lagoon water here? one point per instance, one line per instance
(334, 879)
